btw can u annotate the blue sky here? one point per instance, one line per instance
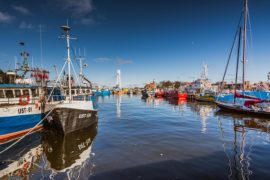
(154, 39)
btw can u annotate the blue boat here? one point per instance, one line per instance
(103, 92)
(21, 100)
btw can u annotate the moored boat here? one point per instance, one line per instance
(177, 94)
(21, 100)
(77, 110)
(240, 102)
(159, 94)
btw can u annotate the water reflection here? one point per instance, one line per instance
(239, 149)
(118, 100)
(66, 152)
(55, 156)
(204, 110)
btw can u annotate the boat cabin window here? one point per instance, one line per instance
(67, 92)
(87, 91)
(26, 92)
(34, 92)
(18, 93)
(72, 91)
(9, 94)
(2, 94)
(83, 91)
(78, 91)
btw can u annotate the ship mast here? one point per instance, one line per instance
(66, 29)
(244, 41)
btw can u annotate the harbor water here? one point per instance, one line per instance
(148, 139)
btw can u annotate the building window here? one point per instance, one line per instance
(18, 93)
(9, 94)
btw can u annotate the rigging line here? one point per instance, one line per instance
(237, 64)
(250, 30)
(30, 131)
(58, 78)
(75, 74)
(13, 144)
(74, 54)
(230, 54)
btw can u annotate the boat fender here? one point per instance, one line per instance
(24, 100)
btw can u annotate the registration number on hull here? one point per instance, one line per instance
(85, 115)
(24, 110)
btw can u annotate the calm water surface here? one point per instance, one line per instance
(149, 139)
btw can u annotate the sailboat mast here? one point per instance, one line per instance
(238, 56)
(244, 42)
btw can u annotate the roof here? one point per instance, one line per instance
(16, 86)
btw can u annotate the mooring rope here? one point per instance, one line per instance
(13, 144)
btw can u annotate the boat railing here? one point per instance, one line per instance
(55, 98)
(17, 100)
(81, 98)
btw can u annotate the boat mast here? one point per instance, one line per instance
(66, 29)
(238, 56)
(244, 42)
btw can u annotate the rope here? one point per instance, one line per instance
(13, 144)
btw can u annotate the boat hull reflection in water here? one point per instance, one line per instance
(68, 151)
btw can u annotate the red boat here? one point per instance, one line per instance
(177, 95)
(159, 94)
(182, 95)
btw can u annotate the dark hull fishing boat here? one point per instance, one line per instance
(243, 110)
(68, 119)
(77, 110)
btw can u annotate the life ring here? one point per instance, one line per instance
(24, 100)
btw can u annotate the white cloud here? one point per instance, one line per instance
(5, 18)
(78, 8)
(88, 21)
(24, 25)
(22, 10)
(123, 61)
(102, 60)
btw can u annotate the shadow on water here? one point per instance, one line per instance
(207, 167)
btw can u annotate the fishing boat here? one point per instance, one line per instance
(159, 94)
(205, 96)
(175, 94)
(77, 110)
(21, 99)
(145, 94)
(242, 103)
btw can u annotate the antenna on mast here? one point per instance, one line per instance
(66, 36)
(41, 48)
